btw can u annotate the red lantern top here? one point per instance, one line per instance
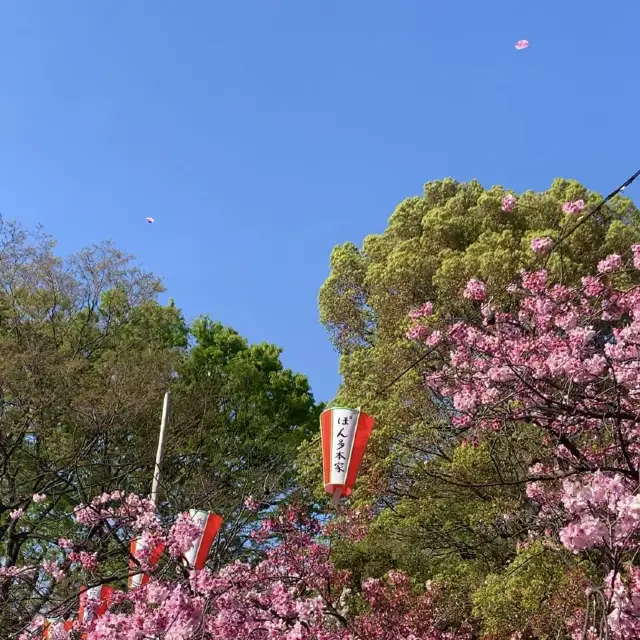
(345, 433)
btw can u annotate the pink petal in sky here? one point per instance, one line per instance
(522, 44)
(150, 220)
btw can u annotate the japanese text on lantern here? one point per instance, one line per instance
(342, 431)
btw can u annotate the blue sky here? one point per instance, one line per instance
(261, 133)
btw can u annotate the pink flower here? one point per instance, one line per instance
(592, 286)
(65, 543)
(475, 290)
(422, 312)
(53, 569)
(417, 332)
(610, 263)
(535, 282)
(184, 533)
(88, 561)
(508, 203)
(39, 497)
(636, 255)
(433, 339)
(540, 245)
(577, 206)
(252, 504)
(465, 401)
(16, 514)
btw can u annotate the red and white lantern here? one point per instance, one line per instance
(50, 626)
(136, 577)
(210, 523)
(99, 597)
(345, 433)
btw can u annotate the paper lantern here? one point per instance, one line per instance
(136, 577)
(102, 594)
(49, 626)
(197, 556)
(345, 433)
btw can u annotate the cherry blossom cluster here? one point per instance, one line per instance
(567, 360)
(604, 512)
(574, 207)
(294, 592)
(540, 245)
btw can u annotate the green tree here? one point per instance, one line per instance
(440, 501)
(238, 419)
(86, 354)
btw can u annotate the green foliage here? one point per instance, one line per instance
(456, 231)
(538, 591)
(444, 508)
(239, 416)
(86, 355)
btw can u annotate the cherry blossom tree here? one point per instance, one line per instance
(567, 361)
(294, 592)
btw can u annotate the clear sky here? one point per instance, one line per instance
(261, 133)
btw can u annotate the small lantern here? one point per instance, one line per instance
(101, 594)
(137, 578)
(345, 433)
(197, 556)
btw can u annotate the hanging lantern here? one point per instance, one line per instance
(51, 623)
(345, 433)
(210, 523)
(136, 577)
(101, 594)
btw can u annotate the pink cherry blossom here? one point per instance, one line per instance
(508, 203)
(417, 332)
(88, 561)
(550, 362)
(636, 255)
(610, 263)
(53, 568)
(540, 245)
(576, 206)
(423, 311)
(183, 534)
(475, 290)
(292, 593)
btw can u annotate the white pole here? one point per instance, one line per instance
(166, 407)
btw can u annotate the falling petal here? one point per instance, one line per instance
(150, 220)
(522, 44)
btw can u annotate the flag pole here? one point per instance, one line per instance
(166, 408)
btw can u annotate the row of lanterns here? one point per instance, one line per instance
(345, 434)
(195, 558)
